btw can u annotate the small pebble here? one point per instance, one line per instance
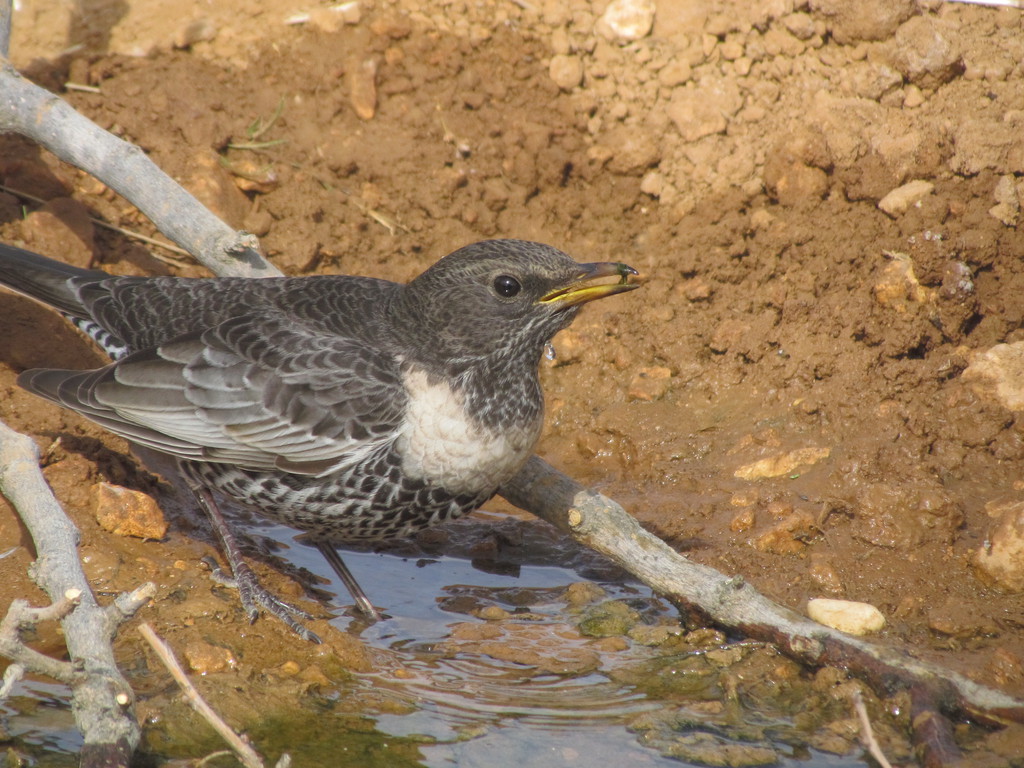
(627, 19)
(846, 616)
(899, 200)
(566, 71)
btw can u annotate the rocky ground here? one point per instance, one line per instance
(817, 388)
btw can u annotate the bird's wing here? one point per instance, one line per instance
(259, 392)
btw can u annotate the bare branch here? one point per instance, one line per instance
(12, 675)
(21, 616)
(126, 605)
(34, 112)
(6, 11)
(101, 699)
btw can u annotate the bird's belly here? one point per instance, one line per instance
(441, 445)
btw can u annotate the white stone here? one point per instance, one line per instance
(627, 19)
(566, 71)
(999, 372)
(1000, 560)
(900, 199)
(845, 615)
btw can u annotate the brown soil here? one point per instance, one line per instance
(736, 156)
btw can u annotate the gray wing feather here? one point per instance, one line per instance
(259, 392)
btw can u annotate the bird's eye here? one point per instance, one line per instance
(506, 286)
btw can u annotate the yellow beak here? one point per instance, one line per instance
(582, 289)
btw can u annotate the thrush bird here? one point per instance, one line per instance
(349, 407)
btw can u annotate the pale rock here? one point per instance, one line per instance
(127, 512)
(782, 464)
(1000, 561)
(676, 72)
(1007, 207)
(731, 49)
(632, 151)
(627, 20)
(927, 52)
(846, 616)
(560, 41)
(652, 184)
(650, 383)
(898, 287)
(566, 71)
(899, 200)
(863, 20)
(362, 85)
(704, 110)
(204, 659)
(800, 25)
(912, 97)
(998, 372)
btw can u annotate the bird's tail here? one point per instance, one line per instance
(43, 279)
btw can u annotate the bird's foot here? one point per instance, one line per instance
(254, 596)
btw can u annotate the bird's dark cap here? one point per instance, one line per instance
(583, 288)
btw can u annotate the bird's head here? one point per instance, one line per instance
(502, 299)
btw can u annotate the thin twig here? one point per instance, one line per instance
(996, 3)
(80, 87)
(706, 594)
(246, 754)
(867, 733)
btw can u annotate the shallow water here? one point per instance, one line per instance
(483, 711)
(448, 707)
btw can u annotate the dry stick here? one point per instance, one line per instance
(6, 10)
(867, 733)
(21, 616)
(248, 756)
(32, 111)
(592, 519)
(101, 700)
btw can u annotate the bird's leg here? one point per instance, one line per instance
(252, 594)
(362, 601)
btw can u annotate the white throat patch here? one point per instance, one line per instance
(440, 444)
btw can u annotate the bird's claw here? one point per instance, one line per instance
(254, 596)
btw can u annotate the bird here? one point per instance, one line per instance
(354, 409)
